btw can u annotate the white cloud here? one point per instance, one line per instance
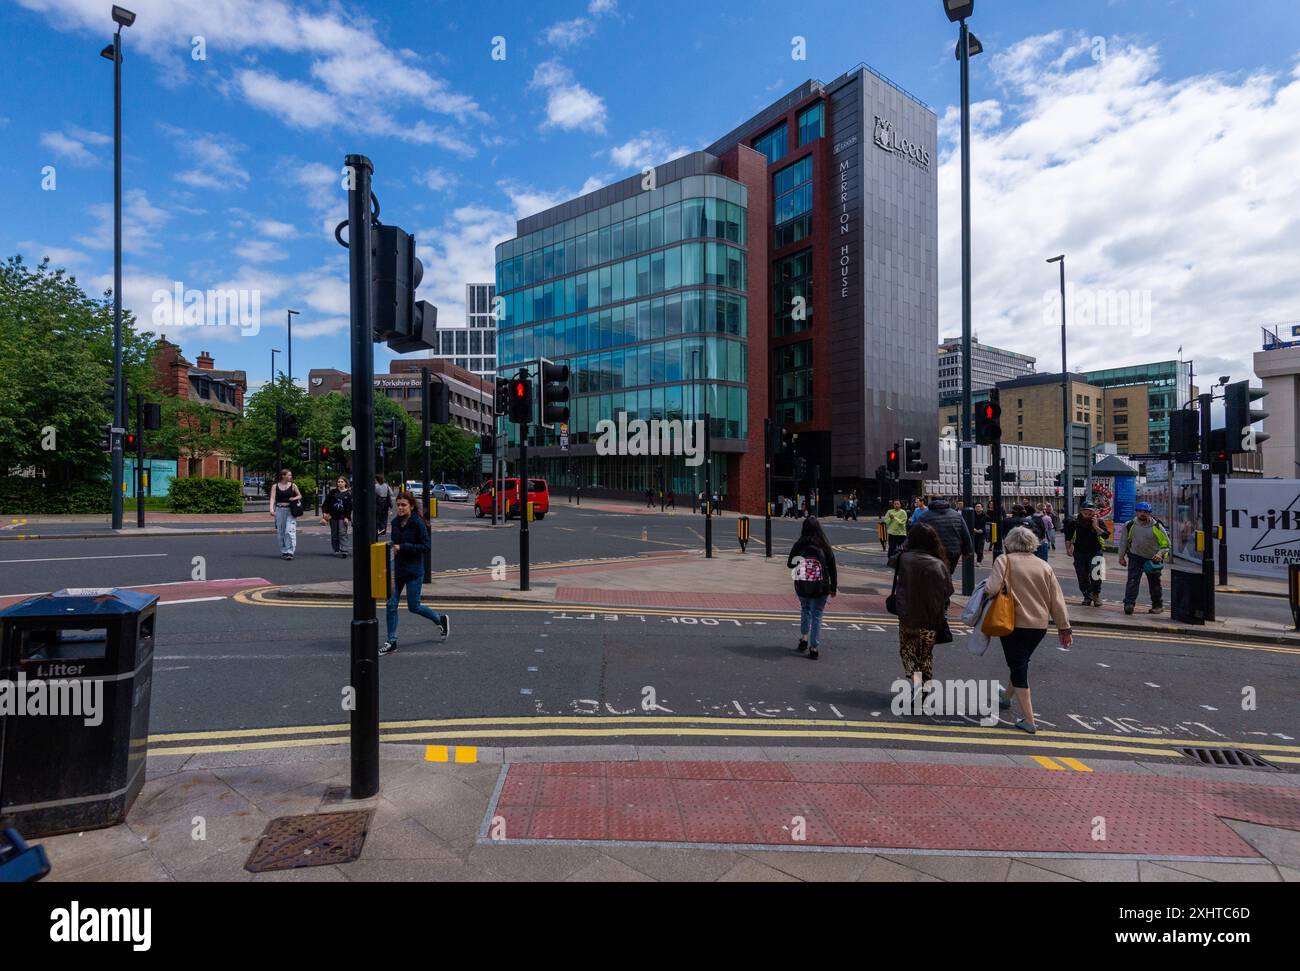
(435, 179)
(65, 146)
(142, 224)
(59, 256)
(1183, 190)
(569, 105)
(260, 251)
(462, 250)
(646, 149)
(217, 166)
(277, 230)
(568, 33)
(354, 76)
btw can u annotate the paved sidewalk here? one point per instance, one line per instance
(695, 813)
(686, 580)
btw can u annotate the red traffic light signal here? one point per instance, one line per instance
(988, 427)
(521, 390)
(130, 440)
(893, 456)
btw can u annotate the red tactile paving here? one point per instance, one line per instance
(887, 805)
(848, 603)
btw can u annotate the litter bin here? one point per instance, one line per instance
(77, 666)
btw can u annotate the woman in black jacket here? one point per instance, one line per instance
(922, 588)
(812, 562)
(337, 511)
(410, 539)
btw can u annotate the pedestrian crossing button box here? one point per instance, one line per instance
(76, 672)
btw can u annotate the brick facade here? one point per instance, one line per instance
(178, 378)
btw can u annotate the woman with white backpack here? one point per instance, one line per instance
(813, 564)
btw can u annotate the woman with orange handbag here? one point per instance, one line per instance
(1026, 595)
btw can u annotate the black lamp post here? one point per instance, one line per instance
(967, 46)
(1066, 478)
(113, 52)
(289, 315)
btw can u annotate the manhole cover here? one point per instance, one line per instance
(1228, 757)
(320, 839)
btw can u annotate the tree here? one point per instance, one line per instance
(56, 369)
(252, 441)
(190, 430)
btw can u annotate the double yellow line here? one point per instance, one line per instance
(483, 729)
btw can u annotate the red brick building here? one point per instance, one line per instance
(201, 382)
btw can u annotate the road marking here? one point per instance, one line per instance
(1075, 764)
(435, 753)
(1047, 763)
(259, 598)
(411, 737)
(60, 559)
(193, 600)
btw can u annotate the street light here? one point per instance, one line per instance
(289, 316)
(1067, 478)
(274, 351)
(958, 10)
(967, 47)
(975, 47)
(123, 18)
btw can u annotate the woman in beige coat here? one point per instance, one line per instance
(1038, 598)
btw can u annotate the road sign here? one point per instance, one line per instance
(564, 435)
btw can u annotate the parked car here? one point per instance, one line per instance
(449, 492)
(539, 494)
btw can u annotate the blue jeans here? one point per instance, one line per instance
(810, 618)
(412, 587)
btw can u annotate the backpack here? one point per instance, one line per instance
(810, 578)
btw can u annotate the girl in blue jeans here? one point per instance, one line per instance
(410, 538)
(812, 563)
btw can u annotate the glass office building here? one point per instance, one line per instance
(644, 299)
(1169, 387)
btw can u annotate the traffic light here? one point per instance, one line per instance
(555, 394)
(129, 442)
(389, 438)
(800, 468)
(152, 417)
(405, 323)
(1239, 416)
(1184, 430)
(1220, 454)
(988, 423)
(487, 445)
(286, 425)
(106, 437)
(781, 439)
(912, 456)
(521, 398)
(502, 403)
(399, 441)
(304, 451)
(440, 403)
(891, 461)
(323, 453)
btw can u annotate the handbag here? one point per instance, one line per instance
(970, 615)
(942, 632)
(1000, 618)
(978, 641)
(891, 602)
(296, 508)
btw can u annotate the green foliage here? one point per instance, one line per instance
(27, 497)
(190, 430)
(252, 441)
(56, 353)
(205, 495)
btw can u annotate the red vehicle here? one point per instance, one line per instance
(539, 494)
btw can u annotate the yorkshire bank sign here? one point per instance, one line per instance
(888, 139)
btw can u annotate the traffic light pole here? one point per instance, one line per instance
(424, 466)
(1223, 527)
(279, 445)
(995, 454)
(139, 461)
(364, 735)
(1207, 507)
(708, 488)
(767, 487)
(523, 507)
(967, 485)
(119, 380)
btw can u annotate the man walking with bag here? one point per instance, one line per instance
(1085, 537)
(1145, 547)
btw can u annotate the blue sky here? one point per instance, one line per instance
(1156, 143)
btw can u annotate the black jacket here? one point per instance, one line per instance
(923, 589)
(338, 505)
(1087, 542)
(802, 548)
(951, 527)
(413, 538)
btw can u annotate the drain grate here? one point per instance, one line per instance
(1228, 758)
(320, 839)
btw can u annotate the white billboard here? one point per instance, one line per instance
(1263, 525)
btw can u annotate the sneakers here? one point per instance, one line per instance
(388, 647)
(1086, 602)
(803, 646)
(1025, 726)
(1157, 609)
(1128, 608)
(445, 624)
(812, 653)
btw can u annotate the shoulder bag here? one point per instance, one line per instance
(1000, 618)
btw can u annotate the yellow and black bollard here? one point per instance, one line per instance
(742, 532)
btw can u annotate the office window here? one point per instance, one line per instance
(792, 189)
(773, 144)
(1121, 402)
(812, 123)
(1120, 419)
